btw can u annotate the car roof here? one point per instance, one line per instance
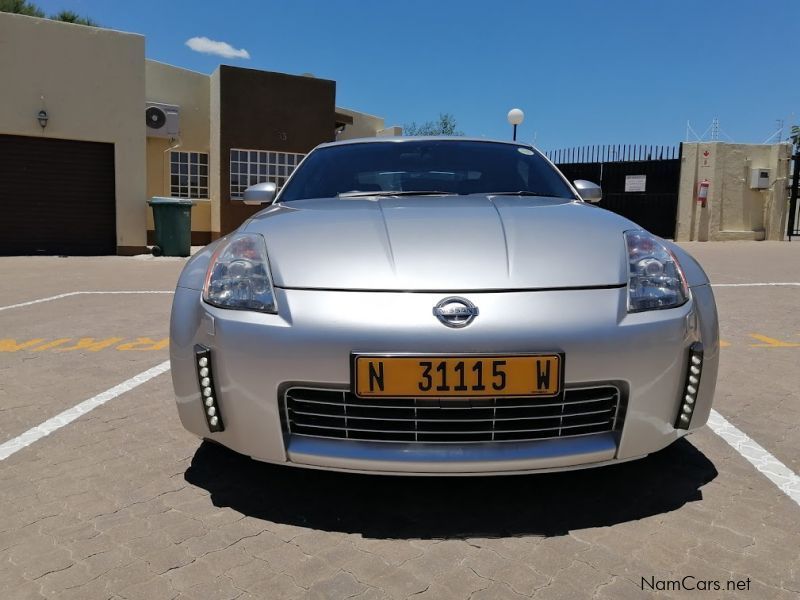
(420, 138)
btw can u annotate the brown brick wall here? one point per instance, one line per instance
(260, 110)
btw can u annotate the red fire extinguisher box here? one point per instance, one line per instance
(702, 193)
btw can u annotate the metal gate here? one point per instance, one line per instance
(639, 182)
(793, 224)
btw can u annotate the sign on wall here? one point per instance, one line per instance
(635, 183)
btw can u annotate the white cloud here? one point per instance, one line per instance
(224, 49)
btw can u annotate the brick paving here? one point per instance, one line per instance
(77, 353)
(123, 503)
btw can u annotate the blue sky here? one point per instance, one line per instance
(584, 72)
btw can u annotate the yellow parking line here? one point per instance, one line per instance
(139, 344)
(769, 342)
(10, 345)
(91, 344)
(144, 343)
(51, 345)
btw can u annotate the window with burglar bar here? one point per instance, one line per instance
(188, 174)
(249, 167)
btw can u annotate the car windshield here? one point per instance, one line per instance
(432, 167)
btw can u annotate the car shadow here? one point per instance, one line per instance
(453, 507)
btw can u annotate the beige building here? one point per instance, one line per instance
(90, 83)
(190, 92)
(230, 112)
(364, 125)
(747, 195)
(90, 130)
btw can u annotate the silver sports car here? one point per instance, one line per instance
(441, 306)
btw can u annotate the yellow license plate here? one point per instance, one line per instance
(460, 376)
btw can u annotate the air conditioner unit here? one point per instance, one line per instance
(162, 120)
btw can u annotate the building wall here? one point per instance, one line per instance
(733, 211)
(260, 110)
(94, 84)
(363, 125)
(391, 131)
(214, 156)
(91, 83)
(191, 91)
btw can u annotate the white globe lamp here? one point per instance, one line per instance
(515, 117)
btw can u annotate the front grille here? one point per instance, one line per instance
(340, 414)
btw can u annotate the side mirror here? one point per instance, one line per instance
(260, 193)
(590, 192)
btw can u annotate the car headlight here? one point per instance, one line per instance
(238, 275)
(655, 278)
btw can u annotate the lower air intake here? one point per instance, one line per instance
(340, 414)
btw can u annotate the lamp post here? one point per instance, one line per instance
(515, 117)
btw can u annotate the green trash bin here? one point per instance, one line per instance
(173, 221)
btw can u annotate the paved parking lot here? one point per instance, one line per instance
(121, 502)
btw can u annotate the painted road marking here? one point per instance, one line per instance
(145, 344)
(68, 416)
(783, 477)
(47, 346)
(768, 342)
(795, 284)
(778, 473)
(68, 294)
(90, 344)
(11, 345)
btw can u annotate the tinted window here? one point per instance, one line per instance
(458, 167)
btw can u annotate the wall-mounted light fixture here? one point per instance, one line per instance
(42, 118)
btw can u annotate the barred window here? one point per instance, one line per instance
(188, 174)
(249, 167)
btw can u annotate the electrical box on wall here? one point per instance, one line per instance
(759, 179)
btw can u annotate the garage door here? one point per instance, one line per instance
(56, 197)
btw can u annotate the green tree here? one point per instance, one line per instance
(21, 7)
(444, 125)
(24, 7)
(69, 16)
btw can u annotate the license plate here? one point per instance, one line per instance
(460, 376)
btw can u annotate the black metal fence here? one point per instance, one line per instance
(612, 153)
(639, 182)
(793, 224)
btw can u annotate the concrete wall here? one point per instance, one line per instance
(363, 125)
(733, 211)
(214, 156)
(191, 91)
(91, 83)
(394, 130)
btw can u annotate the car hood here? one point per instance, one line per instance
(443, 243)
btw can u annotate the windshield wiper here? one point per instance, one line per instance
(358, 194)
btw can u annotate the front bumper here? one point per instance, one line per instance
(309, 343)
